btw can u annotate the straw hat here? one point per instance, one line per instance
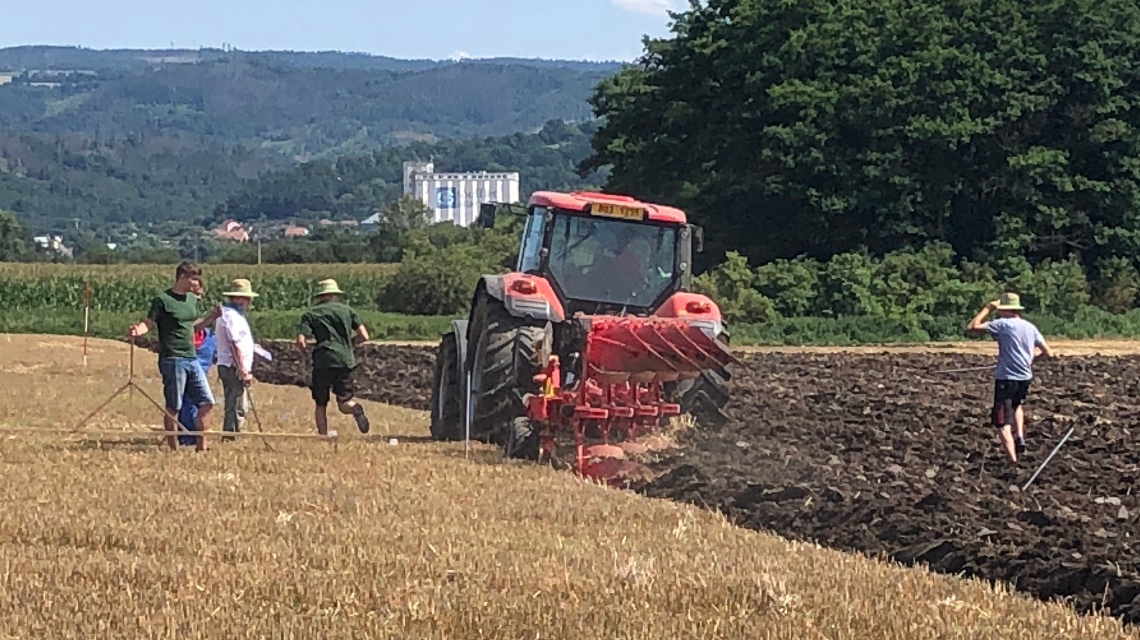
(327, 287)
(1010, 302)
(241, 289)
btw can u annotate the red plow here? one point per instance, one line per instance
(619, 395)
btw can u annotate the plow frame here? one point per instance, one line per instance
(622, 402)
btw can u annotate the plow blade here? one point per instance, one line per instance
(644, 350)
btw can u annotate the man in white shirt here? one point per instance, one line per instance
(235, 347)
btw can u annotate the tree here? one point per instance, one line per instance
(14, 239)
(407, 212)
(821, 127)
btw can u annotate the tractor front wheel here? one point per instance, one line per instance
(506, 353)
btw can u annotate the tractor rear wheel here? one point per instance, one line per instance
(522, 441)
(445, 399)
(506, 353)
(704, 397)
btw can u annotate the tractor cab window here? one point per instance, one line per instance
(529, 259)
(612, 261)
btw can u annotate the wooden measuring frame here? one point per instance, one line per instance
(131, 385)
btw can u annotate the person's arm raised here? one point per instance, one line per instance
(209, 318)
(979, 325)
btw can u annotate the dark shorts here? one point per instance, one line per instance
(1008, 396)
(338, 380)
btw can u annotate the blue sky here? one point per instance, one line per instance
(577, 29)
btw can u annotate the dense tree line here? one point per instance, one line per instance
(1009, 131)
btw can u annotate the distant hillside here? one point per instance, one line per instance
(297, 105)
(357, 186)
(65, 58)
(51, 181)
(114, 185)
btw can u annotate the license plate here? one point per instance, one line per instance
(616, 211)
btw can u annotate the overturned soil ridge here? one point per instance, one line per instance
(391, 374)
(882, 454)
(398, 375)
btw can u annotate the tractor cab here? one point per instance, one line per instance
(605, 253)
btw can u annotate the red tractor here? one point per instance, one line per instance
(596, 333)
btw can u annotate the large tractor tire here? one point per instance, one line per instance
(523, 439)
(446, 401)
(505, 354)
(703, 398)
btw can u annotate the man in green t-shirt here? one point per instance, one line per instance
(336, 329)
(175, 313)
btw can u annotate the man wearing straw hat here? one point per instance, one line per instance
(1017, 340)
(235, 353)
(337, 329)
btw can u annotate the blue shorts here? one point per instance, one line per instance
(184, 376)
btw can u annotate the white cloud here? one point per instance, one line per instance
(460, 55)
(654, 7)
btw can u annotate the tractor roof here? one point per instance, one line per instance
(581, 200)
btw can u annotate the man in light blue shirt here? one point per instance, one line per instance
(1017, 340)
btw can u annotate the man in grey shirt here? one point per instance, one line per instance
(1017, 340)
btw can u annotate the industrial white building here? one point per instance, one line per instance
(456, 197)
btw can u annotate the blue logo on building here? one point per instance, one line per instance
(445, 197)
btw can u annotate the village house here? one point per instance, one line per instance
(294, 231)
(232, 230)
(53, 243)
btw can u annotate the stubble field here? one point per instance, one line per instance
(124, 539)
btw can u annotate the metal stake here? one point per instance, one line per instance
(467, 420)
(1055, 450)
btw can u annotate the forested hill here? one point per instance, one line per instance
(118, 185)
(296, 105)
(357, 186)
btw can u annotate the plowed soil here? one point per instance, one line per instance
(882, 454)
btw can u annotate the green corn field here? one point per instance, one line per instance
(130, 288)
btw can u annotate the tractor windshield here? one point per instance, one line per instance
(612, 261)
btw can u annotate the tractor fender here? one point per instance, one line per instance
(524, 295)
(697, 309)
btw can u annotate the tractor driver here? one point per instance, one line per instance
(626, 262)
(609, 260)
